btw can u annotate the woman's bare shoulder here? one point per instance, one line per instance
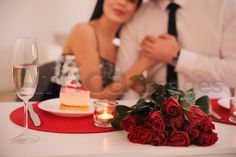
(83, 29)
(82, 33)
(82, 38)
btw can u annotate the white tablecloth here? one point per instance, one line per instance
(102, 144)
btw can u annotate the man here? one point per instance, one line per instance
(202, 51)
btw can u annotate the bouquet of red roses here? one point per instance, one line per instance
(168, 117)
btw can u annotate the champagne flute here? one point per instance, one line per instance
(25, 75)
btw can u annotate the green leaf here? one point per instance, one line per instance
(139, 104)
(122, 111)
(190, 96)
(140, 79)
(204, 103)
(122, 108)
(141, 108)
(174, 93)
(142, 105)
(116, 122)
(185, 105)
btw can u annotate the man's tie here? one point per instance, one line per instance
(172, 7)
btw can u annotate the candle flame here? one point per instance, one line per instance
(234, 113)
(105, 111)
(105, 115)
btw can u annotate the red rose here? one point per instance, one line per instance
(176, 122)
(172, 108)
(178, 138)
(208, 126)
(141, 135)
(206, 139)
(159, 139)
(193, 131)
(129, 122)
(196, 116)
(155, 121)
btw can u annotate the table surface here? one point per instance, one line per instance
(102, 144)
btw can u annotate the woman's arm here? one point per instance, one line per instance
(82, 42)
(123, 82)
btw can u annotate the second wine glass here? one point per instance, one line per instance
(25, 75)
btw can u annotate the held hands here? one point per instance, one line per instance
(146, 61)
(162, 49)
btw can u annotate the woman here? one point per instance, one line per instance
(89, 54)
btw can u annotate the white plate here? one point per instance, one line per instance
(224, 102)
(53, 105)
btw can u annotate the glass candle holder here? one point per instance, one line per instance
(104, 112)
(232, 110)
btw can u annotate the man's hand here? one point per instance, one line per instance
(162, 49)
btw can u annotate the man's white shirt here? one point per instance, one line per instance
(206, 34)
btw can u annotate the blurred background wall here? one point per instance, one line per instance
(49, 21)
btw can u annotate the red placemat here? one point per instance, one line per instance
(52, 123)
(223, 112)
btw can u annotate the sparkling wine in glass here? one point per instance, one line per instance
(25, 75)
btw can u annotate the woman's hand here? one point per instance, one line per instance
(147, 62)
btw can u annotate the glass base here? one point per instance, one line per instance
(25, 138)
(102, 125)
(232, 119)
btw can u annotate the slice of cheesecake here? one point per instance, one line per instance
(74, 98)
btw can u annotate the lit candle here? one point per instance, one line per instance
(104, 113)
(105, 118)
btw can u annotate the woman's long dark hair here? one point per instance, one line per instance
(98, 11)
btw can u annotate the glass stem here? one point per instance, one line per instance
(26, 116)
